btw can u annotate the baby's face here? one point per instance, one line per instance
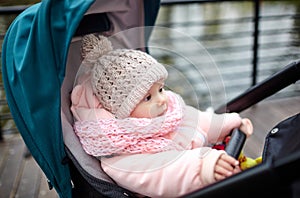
(154, 104)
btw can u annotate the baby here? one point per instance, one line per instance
(149, 141)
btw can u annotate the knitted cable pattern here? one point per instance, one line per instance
(106, 137)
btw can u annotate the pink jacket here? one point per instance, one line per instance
(170, 173)
(175, 173)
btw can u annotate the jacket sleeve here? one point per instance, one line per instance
(165, 174)
(214, 127)
(200, 128)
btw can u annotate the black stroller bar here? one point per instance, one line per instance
(268, 178)
(278, 177)
(283, 78)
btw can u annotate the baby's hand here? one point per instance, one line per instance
(246, 127)
(225, 167)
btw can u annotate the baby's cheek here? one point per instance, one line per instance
(141, 111)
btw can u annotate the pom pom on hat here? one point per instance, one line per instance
(122, 77)
(94, 46)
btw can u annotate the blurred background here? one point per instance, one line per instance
(214, 50)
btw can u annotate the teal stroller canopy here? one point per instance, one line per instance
(34, 57)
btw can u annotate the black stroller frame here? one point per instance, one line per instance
(277, 176)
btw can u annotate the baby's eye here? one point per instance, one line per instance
(161, 89)
(147, 98)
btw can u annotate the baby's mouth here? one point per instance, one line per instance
(165, 108)
(161, 114)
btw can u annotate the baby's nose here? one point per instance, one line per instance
(162, 100)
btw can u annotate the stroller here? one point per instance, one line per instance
(44, 41)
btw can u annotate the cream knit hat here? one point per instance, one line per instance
(121, 77)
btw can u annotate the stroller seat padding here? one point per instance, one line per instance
(88, 163)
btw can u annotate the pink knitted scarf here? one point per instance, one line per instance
(106, 137)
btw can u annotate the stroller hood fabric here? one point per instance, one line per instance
(34, 55)
(33, 60)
